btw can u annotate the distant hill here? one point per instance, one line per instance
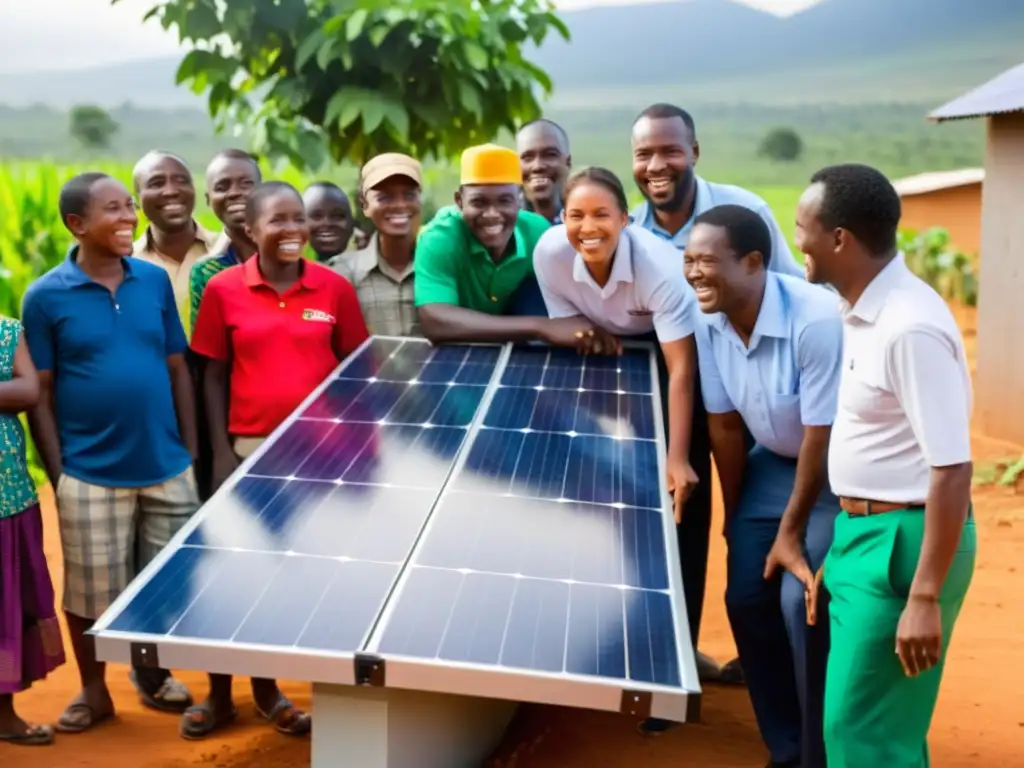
(700, 50)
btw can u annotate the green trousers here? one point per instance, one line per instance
(875, 716)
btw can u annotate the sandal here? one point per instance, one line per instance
(287, 719)
(34, 736)
(198, 722)
(80, 717)
(171, 696)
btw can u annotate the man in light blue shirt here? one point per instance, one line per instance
(770, 351)
(665, 154)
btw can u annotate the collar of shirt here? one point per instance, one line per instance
(311, 276)
(369, 259)
(559, 217)
(771, 318)
(873, 298)
(622, 269)
(72, 275)
(208, 239)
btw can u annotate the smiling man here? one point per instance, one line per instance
(543, 148)
(329, 215)
(173, 241)
(665, 155)
(382, 272)
(231, 177)
(770, 350)
(474, 263)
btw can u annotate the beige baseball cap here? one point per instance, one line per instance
(383, 167)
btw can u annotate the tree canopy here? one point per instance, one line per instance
(347, 79)
(91, 126)
(782, 144)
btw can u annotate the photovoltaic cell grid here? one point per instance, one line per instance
(546, 551)
(304, 549)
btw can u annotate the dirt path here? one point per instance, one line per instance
(980, 720)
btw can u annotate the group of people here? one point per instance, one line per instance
(834, 398)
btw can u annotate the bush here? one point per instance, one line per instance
(931, 257)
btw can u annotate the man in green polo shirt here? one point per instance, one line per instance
(474, 264)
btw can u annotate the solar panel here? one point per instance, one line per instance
(547, 550)
(482, 520)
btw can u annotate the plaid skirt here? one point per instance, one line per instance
(30, 640)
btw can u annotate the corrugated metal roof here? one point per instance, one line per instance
(1003, 93)
(934, 181)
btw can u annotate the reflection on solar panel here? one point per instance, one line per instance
(497, 509)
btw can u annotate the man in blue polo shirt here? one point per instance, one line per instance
(115, 424)
(770, 351)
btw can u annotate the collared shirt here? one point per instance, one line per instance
(645, 291)
(710, 195)
(385, 295)
(108, 353)
(281, 346)
(203, 271)
(559, 217)
(905, 396)
(787, 378)
(180, 272)
(453, 267)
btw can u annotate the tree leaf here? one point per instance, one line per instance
(475, 55)
(373, 114)
(356, 22)
(395, 113)
(309, 48)
(377, 34)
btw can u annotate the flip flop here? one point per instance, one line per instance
(287, 719)
(34, 736)
(171, 696)
(67, 722)
(195, 729)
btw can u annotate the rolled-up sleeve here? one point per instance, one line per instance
(716, 398)
(928, 379)
(674, 306)
(820, 360)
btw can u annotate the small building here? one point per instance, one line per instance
(947, 199)
(999, 409)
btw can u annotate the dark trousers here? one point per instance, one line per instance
(783, 659)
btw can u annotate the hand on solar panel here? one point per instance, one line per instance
(681, 482)
(581, 334)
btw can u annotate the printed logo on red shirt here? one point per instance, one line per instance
(318, 316)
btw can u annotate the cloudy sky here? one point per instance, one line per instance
(61, 34)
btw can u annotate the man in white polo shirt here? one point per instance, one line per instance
(900, 461)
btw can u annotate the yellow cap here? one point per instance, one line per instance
(383, 167)
(491, 164)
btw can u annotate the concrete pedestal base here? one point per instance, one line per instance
(365, 727)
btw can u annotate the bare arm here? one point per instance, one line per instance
(448, 323)
(681, 362)
(945, 511)
(184, 402)
(43, 425)
(22, 392)
(729, 449)
(811, 475)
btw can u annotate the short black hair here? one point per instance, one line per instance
(861, 200)
(663, 111)
(74, 195)
(545, 121)
(232, 153)
(603, 178)
(327, 186)
(262, 193)
(747, 231)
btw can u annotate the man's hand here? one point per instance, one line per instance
(681, 482)
(788, 553)
(582, 334)
(919, 636)
(224, 464)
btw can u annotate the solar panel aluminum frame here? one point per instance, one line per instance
(563, 689)
(284, 662)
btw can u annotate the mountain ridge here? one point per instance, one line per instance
(685, 47)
